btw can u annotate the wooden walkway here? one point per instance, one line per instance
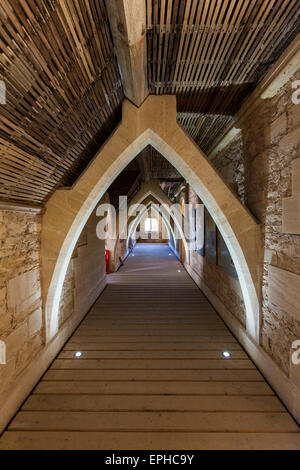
(152, 375)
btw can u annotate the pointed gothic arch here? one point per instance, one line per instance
(153, 123)
(152, 189)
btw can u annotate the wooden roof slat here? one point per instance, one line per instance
(64, 92)
(273, 30)
(214, 53)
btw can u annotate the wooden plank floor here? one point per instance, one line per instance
(152, 375)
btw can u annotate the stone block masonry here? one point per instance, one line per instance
(21, 321)
(230, 163)
(258, 164)
(85, 276)
(217, 280)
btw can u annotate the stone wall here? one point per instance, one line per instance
(86, 274)
(224, 286)
(22, 328)
(121, 252)
(257, 164)
(21, 322)
(230, 164)
(271, 138)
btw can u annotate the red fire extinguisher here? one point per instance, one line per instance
(107, 261)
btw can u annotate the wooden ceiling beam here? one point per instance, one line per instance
(127, 20)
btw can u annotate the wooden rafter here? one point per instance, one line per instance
(64, 90)
(127, 21)
(64, 93)
(212, 54)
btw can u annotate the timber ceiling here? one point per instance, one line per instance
(155, 166)
(64, 91)
(211, 54)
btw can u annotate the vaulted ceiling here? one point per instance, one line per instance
(64, 89)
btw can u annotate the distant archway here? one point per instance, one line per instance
(152, 189)
(138, 218)
(154, 123)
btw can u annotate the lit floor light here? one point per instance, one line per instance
(178, 270)
(226, 354)
(78, 354)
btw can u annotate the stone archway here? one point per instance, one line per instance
(152, 189)
(150, 204)
(153, 123)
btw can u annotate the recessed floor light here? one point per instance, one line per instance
(226, 354)
(78, 354)
(178, 270)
